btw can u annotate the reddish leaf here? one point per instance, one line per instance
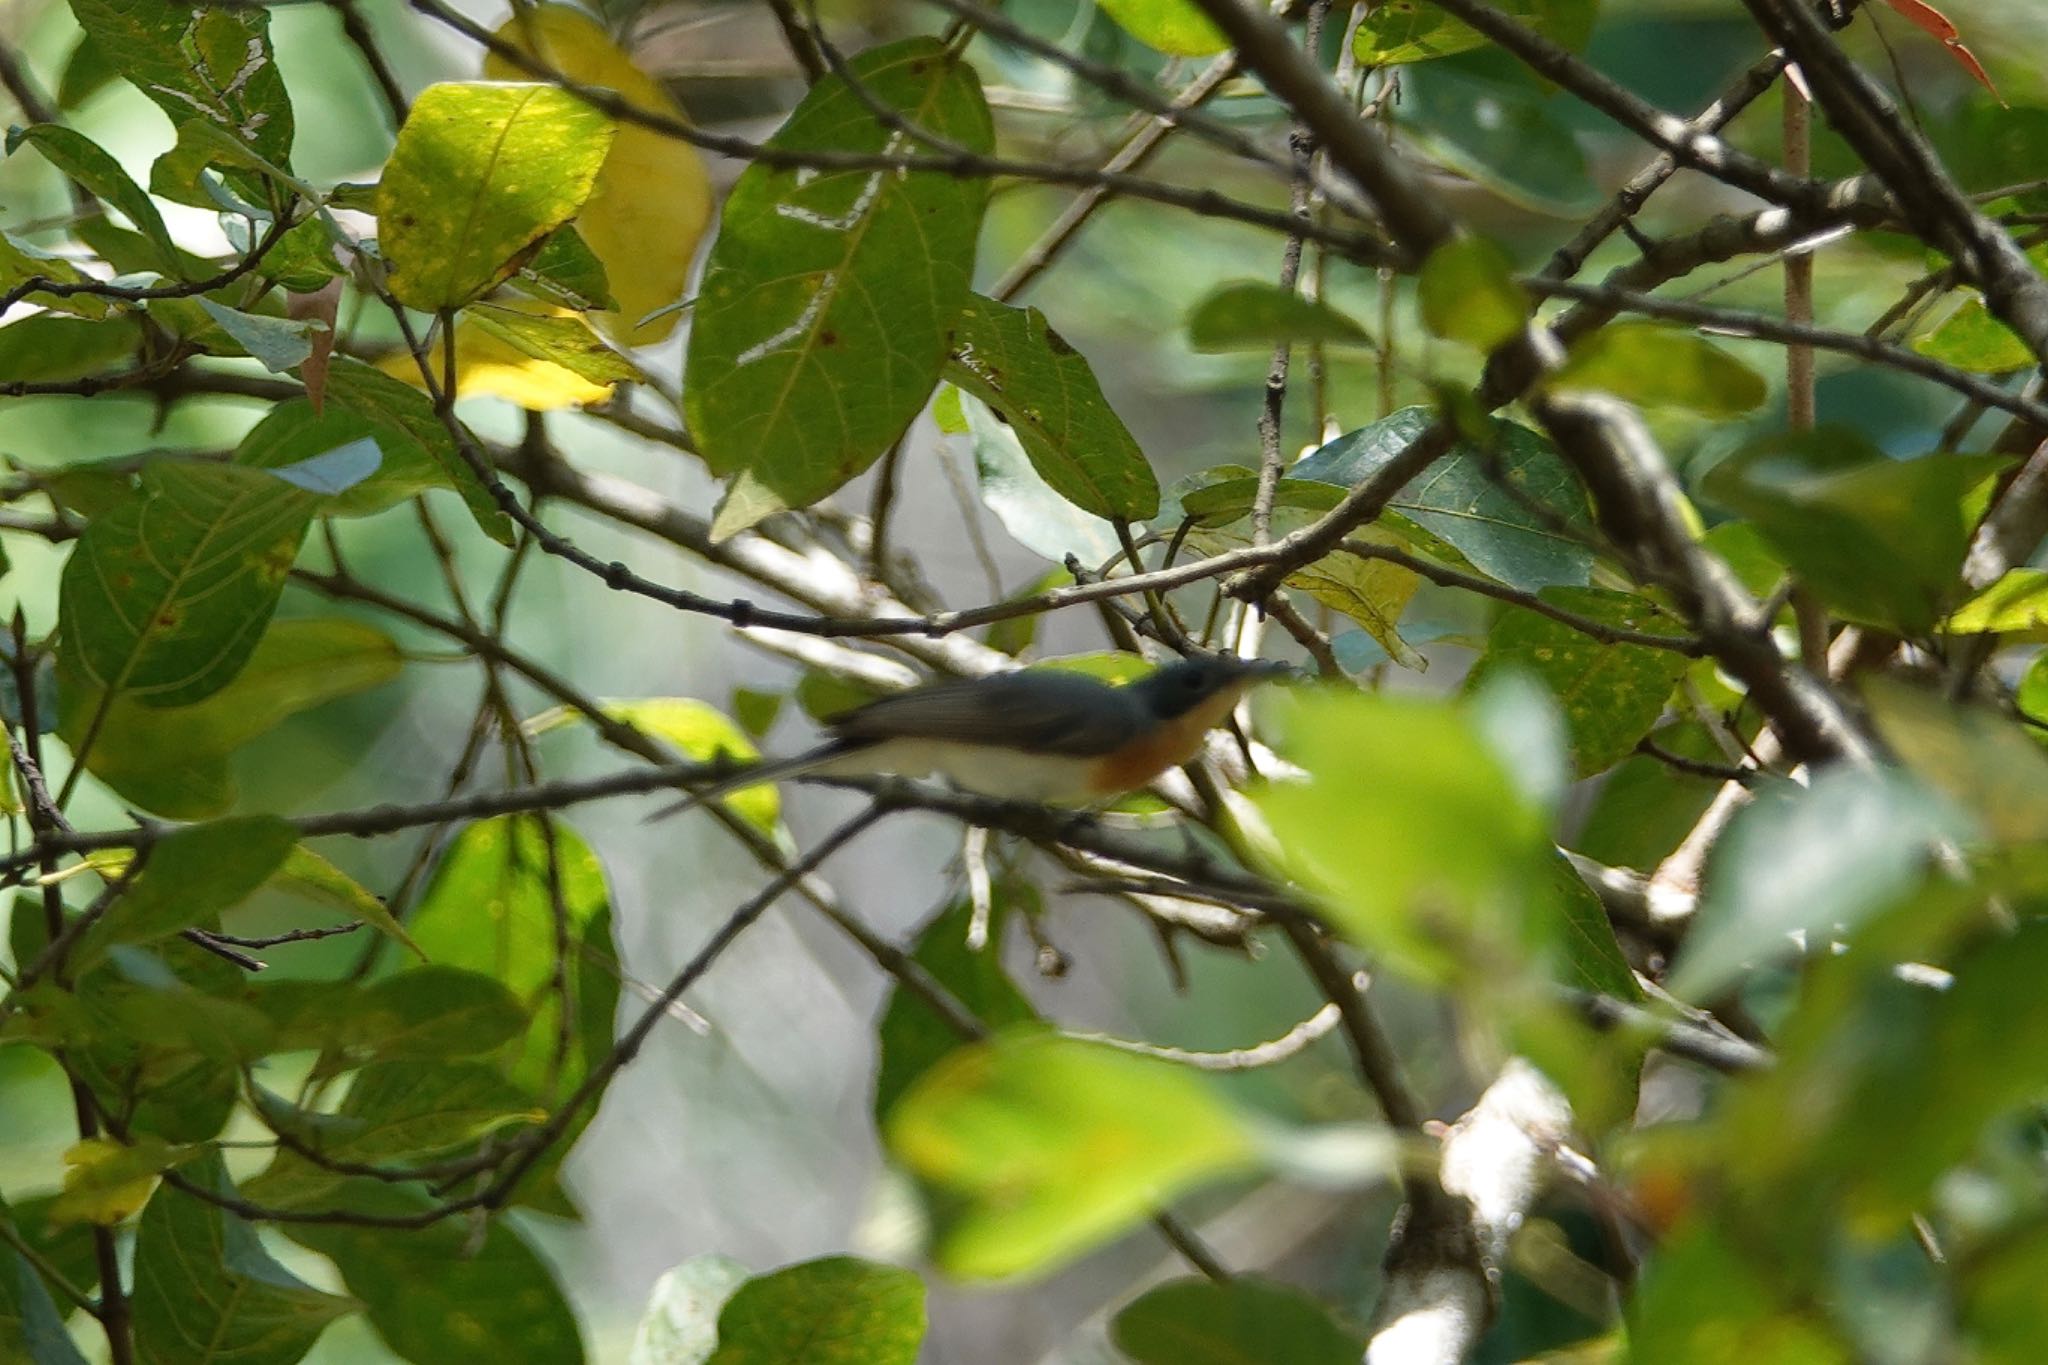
(320, 304)
(1937, 26)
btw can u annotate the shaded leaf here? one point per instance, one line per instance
(1971, 339)
(1402, 31)
(293, 431)
(1042, 388)
(1053, 1145)
(193, 874)
(1252, 315)
(834, 283)
(315, 878)
(1236, 1322)
(1036, 516)
(481, 173)
(105, 1181)
(392, 408)
(280, 343)
(47, 348)
(1662, 367)
(1372, 592)
(1468, 292)
(93, 167)
(164, 597)
(834, 1311)
(31, 1327)
(22, 261)
(912, 1036)
(1978, 758)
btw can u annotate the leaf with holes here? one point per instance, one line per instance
(164, 597)
(481, 173)
(825, 310)
(1012, 360)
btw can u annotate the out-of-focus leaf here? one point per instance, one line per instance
(2000, 1298)
(391, 408)
(1706, 1301)
(1412, 832)
(1531, 533)
(1939, 27)
(1610, 694)
(93, 167)
(1036, 516)
(1881, 540)
(1052, 1145)
(192, 875)
(912, 1036)
(212, 62)
(652, 198)
(1971, 339)
(1402, 31)
(207, 1292)
(487, 365)
(835, 1311)
(1177, 27)
(292, 432)
(46, 348)
(1012, 360)
(1979, 759)
(1817, 860)
(106, 1181)
(449, 1291)
(1512, 136)
(22, 261)
(697, 731)
(1662, 367)
(280, 343)
(2018, 601)
(1252, 315)
(1371, 592)
(87, 71)
(843, 283)
(1236, 1322)
(489, 909)
(164, 597)
(680, 1326)
(482, 171)
(1467, 292)
(1230, 498)
(173, 759)
(31, 1327)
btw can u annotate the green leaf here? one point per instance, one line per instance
(22, 261)
(2018, 601)
(489, 908)
(86, 72)
(450, 1291)
(824, 311)
(312, 876)
(1402, 31)
(834, 1311)
(1707, 1299)
(564, 271)
(174, 759)
(1231, 496)
(1610, 695)
(164, 598)
(31, 1325)
(680, 1326)
(566, 341)
(207, 1293)
(481, 173)
(912, 1036)
(211, 61)
(1657, 366)
(1177, 27)
(1512, 134)
(1461, 498)
(1413, 833)
(280, 343)
(1053, 1145)
(1467, 292)
(1975, 756)
(1012, 360)
(93, 167)
(697, 731)
(1251, 315)
(47, 348)
(2000, 1297)
(1880, 540)
(1971, 339)
(1237, 1322)
(192, 875)
(1372, 592)
(292, 432)
(1818, 860)
(424, 1013)
(398, 411)
(399, 1110)
(1035, 516)
(1592, 959)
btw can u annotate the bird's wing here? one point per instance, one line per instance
(1044, 711)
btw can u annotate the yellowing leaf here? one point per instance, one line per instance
(488, 366)
(696, 730)
(106, 1182)
(653, 196)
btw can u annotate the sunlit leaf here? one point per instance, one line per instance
(1173, 26)
(1012, 360)
(480, 174)
(489, 366)
(2017, 601)
(697, 731)
(1372, 592)
(1053, 1145)
(1980, 759)
(842, 283)
(1468, 292)
(1402, 31)
(315, 878)
(106, 1181)
(652, 198)
(835, 1311)
(1971, 339)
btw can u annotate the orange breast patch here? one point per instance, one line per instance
(1168, 746)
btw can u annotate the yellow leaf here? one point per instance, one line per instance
(106, 1182)
(653, 196)
(488, 367)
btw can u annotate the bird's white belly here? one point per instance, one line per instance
(1006, 774)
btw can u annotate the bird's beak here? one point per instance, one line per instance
(1264, 670)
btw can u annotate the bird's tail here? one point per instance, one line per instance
(810, 761)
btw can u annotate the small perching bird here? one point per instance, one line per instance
(1043, 734)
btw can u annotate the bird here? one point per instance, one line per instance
(1048, 735)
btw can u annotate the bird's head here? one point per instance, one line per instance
(1207, 681)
